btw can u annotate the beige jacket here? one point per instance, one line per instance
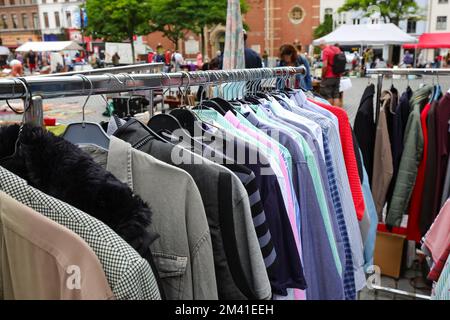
(40, 259)
(383, 168)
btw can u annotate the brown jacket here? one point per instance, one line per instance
(40, 259)
(383, 168)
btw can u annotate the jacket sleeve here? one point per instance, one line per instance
(137, 283)
(202, 261)
(407, 174)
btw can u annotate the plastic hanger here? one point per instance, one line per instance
(27, 104)
(86, 132)
(187, 119)
(167, 124)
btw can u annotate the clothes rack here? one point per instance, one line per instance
(402, 71)
(74, 85)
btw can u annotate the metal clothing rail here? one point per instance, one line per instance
(137, 68)
(80, 84)
(400, 71)
(64, 86)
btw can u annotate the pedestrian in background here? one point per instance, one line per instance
(408, 59)
(115, 59)
(330, 84)
(31, 61)
(306, 81)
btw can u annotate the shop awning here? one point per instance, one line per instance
(431, 41)
(367, 34)
(41, 46)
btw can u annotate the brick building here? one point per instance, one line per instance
(19, 22)
(271, 23)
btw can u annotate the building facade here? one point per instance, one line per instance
(439, 16)
(60, 19)
(271, 23)
(19, 22)
(412, 25)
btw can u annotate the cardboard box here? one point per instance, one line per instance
(389, 253)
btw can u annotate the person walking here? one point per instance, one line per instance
(333, 65)
(408, 59)
(31, 61)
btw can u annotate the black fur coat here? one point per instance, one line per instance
(62, 170)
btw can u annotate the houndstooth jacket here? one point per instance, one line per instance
(129, 275)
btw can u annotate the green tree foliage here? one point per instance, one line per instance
(390, 10)
(118, 20)
(325, 27)
(174, 17)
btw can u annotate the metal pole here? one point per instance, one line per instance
(35, 113)
(150, 100)
(64, 86)
(378, 102)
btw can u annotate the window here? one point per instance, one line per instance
(328, 11)
(4, 21)
(24, 20)
(411, 26)
(441, 23)
(35, 21)
(2, 2)
(46, 23)
(69, 19)
(443, 1)
(12, 2)
(57, 21)
(15, 21)
(296, 15)
(23, 1)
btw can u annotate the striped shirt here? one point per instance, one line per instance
(248, 179)
(343, 202)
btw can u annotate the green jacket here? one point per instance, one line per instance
(411, 157)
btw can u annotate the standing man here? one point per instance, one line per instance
(306, 81)
(408, 59)
(252, 59)
(31, 61)
(115, 59)
(329, 87)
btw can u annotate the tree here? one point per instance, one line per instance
(118, 20)
(174, 17)
(325, 27)
(390, 10)
(213, 13)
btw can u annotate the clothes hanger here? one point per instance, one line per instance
(27, 105)
(188, 119)
(438, 91)
(165, 123)
(220, 104)
(86, 132)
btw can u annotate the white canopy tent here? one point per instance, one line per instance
(367, 34)
(42, 46)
